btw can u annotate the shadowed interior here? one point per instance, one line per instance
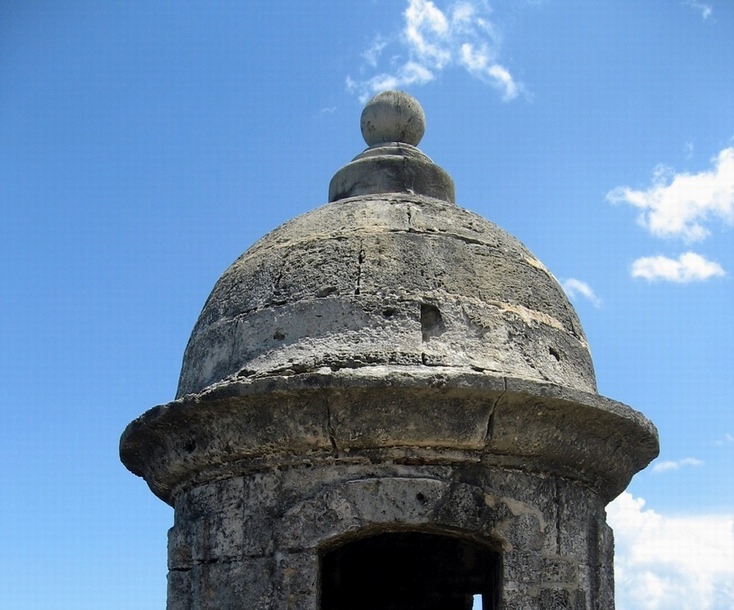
(410, 571)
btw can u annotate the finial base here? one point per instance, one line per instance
(394, 167)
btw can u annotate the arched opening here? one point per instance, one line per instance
(410, 571)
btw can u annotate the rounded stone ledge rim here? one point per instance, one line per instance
(142, 440)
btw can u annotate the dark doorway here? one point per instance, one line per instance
(410, 571)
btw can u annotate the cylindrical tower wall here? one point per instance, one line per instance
(257, 541)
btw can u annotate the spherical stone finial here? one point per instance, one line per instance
(393, 116)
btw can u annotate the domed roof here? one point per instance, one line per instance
(391, 273)
(388, 326)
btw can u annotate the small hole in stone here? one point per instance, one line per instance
(421, 498)
(190, 445)
(388, 313)
(554, 353)
(278, 336)
(431, 321)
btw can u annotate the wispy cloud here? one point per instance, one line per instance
(688, 267)
(728, 438)
(668, 465)
(372, 54)
(688, 149)
(433, 38)
(671, 563)
(679, 205)
(702, 7)
(575, 288)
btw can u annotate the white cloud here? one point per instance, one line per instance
(411, 73)
(668, 465)
(433, 39)
(688, 267)
(475, 60)
(705, 9)
(671, 563)
(574, 288)
(503, 81)
(427, 30)
(678, 205)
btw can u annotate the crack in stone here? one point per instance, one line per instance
(330, 428)
(558, 519)
(493, 411)
(360, 260)
(279, 277)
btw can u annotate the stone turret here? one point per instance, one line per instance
(389, 402)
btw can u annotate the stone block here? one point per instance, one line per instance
(559, 571)
(530, 493)
(179, 547)
(399, 500)
(557, 599)
(297, 575)
(315, 520)
(218, 533)
(522, 597)
(524, 531)
(179, 590)
(520, 566)
(468, 508)
(234, 586)
(576, 512)
(260, 505)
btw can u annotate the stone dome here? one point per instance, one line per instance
(389, 326)
(393, 274)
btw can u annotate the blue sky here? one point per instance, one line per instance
(145, 145)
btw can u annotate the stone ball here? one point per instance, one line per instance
(393, 116)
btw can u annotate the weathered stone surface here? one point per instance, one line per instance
(307, 510)
(605, 574)
(559, 571)
(391, 168)
(349, 284)
(307, 524)
(557, 599)
(522, 567)
(520, 597)
(395, 500)
(297, 578)
(388, 376)
(234, 586)
(180, 594)
(393, 116)
(421, 411)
